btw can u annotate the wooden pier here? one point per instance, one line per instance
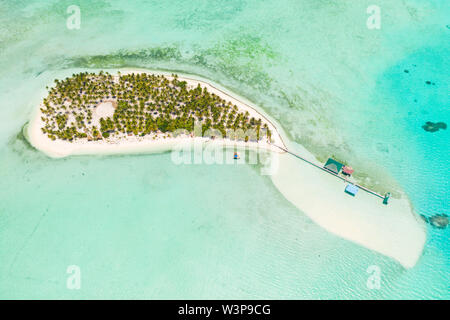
(329, 172)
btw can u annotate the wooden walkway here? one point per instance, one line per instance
(330, 172)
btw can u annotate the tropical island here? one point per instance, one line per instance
(141, 111)
(100, 107)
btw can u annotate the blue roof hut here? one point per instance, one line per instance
(351, 189)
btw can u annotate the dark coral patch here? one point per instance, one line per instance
(434, 126)
(440, 221)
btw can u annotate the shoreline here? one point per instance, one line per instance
(394, 230)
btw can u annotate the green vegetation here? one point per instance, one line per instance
(144, 104)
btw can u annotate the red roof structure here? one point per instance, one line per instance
(347, 170)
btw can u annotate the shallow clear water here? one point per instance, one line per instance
(143, 227)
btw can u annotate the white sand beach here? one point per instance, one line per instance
(392, 230)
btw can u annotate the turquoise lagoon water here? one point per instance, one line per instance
(143, 227)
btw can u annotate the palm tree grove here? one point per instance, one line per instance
(144, 104)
